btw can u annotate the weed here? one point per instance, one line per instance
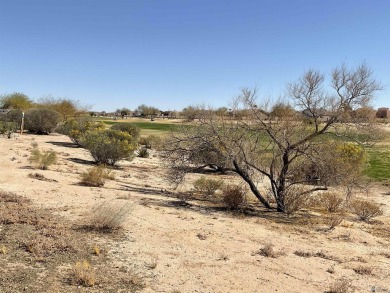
(96, 250)
(268, 251)
(84, 274)
(109, 217)
(42, 160)
(3, 249)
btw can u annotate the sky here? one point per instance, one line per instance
(170, 54)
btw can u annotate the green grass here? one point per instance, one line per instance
(378, 163)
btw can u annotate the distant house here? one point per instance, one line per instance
(167, 114)
(383, 113)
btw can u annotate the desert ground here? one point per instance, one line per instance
(169, 244)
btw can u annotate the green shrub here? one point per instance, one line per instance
(151, 141)
(143, 153)
(130, 128)
(76, 127)
(41, 121)
(207, 186)
(42, 160)
(234, 196)
(7, 128)
(365, 210)
(109, 146)
(96, 176)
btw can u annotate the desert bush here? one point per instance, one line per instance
(365, 210)
(42, 121)
(363, 270)
(109, 146)
(295, 199)
(143, 153)
(332, 202)
(95, 176)
(42, 160)
(333, 220)
(7, 128)
(207, 186)
(234, 196)
(76, 127)
(109, 217)
(84, 274)
(339, 286)
(151, 141)
(130, 128)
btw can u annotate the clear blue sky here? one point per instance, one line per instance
(175, 53)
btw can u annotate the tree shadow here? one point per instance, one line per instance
(64, 144)
(82, 161)
(187, 201)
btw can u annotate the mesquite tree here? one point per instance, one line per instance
(297, 152)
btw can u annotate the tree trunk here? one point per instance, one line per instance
(252, 186)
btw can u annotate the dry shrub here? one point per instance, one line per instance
(332, 202)
(42, 160)
(333, 220)
(295, 199)
(207, 186)
(268, 251)
(365, 210)
(363, 270)
(84, 274)
(3, 249)
(303, 253)
(109, 217)
(340, 286)
(96, 176)
(234, 196)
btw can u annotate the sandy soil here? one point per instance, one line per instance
(197, 246)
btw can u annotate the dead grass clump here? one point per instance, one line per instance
(268, 251)
(96, 176)
(206, 186)
(12, 197)
(303, 253)
(331, 201)
(234, 197)
(365, 210)
(363, 270)
(40, 177)
(109, 217)
(340, 286)
(84, 274)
